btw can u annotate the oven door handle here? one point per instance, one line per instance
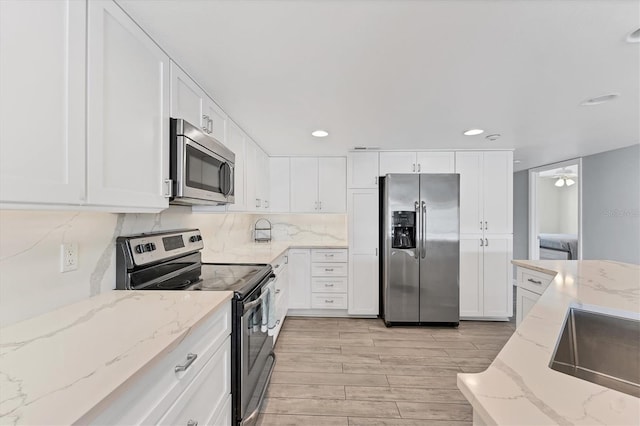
(169, 276)
(259, 300)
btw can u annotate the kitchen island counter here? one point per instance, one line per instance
(520, 388)
(63, 366)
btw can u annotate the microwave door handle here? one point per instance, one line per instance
(225, 174)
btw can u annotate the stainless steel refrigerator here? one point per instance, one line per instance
(420, 233)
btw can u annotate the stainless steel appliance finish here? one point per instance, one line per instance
(420, 256)
(202, 170)
(172, 261)
(600, 348)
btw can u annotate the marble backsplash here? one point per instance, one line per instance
(30, 279)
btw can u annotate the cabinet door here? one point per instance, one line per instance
(498, 192)
(235, 142)
(217, 121)
(187, 98)
(363, 286)
(299, 279)
(497, 270)
(525, 301)
(332, 184)
(436, 162)
(471, 267)
(251, 175)
(128, 112)
(304, 185)
(42, 96)
(397, 162)
(362, 170)
(279, 184)
(469, 166)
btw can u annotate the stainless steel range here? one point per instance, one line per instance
(172, 261)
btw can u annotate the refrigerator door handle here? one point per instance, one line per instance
(423, 239)
(416, 206)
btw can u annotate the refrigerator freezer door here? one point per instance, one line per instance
(439, 260)
(401, 270)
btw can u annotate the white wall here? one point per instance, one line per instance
(557, 207)
(30, 279)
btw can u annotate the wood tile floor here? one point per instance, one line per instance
(345, 371)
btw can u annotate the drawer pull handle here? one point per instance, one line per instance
(328, 301)
(328, 255)
(190, 358)
(328, 285)
(192, 423)
(328, 269)
(531, 280)
(277, 266)
(277, 290)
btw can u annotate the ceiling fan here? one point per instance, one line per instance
(565, 177)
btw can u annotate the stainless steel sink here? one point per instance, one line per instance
(601, 349)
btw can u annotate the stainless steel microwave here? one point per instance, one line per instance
(201, 168)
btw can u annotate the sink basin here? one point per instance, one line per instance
(600, 348)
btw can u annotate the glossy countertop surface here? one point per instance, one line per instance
(264, 252)
(55, 368)
(520, 388)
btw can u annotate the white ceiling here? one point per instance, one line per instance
(399, 74)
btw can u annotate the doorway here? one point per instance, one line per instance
(555, 211)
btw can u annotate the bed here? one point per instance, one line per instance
(558, 246)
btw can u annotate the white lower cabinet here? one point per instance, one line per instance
(363, 290)
(190, 383)
(299, 279)
(318, 280)
(531, 285)
(281, 270)
(486, 290)
(199, 403)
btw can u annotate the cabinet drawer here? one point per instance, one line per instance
(206, 394)
(329, 270)
(329, 285)
(328, 301)
(329, 255)
(536, 282)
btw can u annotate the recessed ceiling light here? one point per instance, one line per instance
(517, 161)
(320, 133)
(634, 37)
(473, 132)
(492, 137)
(599, 99)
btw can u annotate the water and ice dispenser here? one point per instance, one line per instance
(404, 230)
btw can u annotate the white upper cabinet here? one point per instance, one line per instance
(279, 184)
(436, 162)
(236, 143)
(42, 101)
(362, 170)
(215, 121)
(251, 175)
(262, 183)
(397, 162)
(332, 184)
(128, 112)
(417, 162)
(318, 185)
(486, 191)
(304, 184)
(187, 98)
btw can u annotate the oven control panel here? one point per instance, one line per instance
(152, 248)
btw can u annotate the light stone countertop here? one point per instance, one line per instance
(519, 388)
(55, 368)
(264, 252)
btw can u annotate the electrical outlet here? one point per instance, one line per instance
(68, 257)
